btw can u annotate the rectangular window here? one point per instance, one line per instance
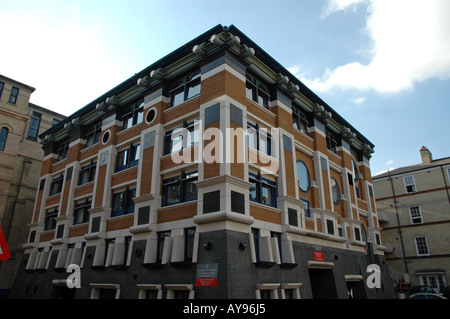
(133, 115)
(81, 212)
(179, 189)
(56, 185)
(255, 233)
(416, 215)
(2, 85)
(189, 235)
(421, 246)
(174, 139)
(93, 134)
(35, 122)
(259, 138)
(87, 173)
(307, 208)
(410, 186)
(357, 234)
(300, 120)
(263, 190)
(293, 219)
(330, 227)
(128, 158)
(122, 202)
(332, 141)
(61, 151)
(160, 248)
(50, 221)
(14, 94)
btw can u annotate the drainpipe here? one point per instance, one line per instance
(398, 224)
(445, 183)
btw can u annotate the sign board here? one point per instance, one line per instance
(206, 275)
(4, 251)
(318, 256)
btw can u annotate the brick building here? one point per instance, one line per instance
(285, 210)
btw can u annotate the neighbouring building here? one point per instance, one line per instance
(20, 168)
(212, 173)
(413, 204)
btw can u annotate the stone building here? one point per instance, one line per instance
(212, 173)
(413, 204)
(20, 167)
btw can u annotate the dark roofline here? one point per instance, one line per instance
(414, 168)
(186, 49)
(47, 111)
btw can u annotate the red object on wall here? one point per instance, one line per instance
(4, 251)
(319, 256)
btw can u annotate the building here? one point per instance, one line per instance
(212, 173)
(413, 204)
(20, 167)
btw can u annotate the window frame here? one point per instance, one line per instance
(421, 246)
(13, 97)
(131, 157)
(180, 91)
(183, 179)
(258, 133)
(92, 135)
(332, 141)
(3, 138)
(36, 117)
(308, 176)
(407, 184)
(62, 150)
(50, 221)
(133, 113)
(127, 205)
(2, 86)
(193, 139)
(260, 183)
(90, 169)
(417, 211)
(257, 91)
(57, 183)
(335, 191)
(82, 208)
(299, 119)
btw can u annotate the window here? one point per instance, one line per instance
(421, 246)
(330, 227)
(332, 140)
(2, 85)
(416, 215)
(93, 134)
(257, 92)
(300, 120)
(128, 158)
(81, 212)
(356, 177)
(34, 125)
(132, 115)
(357, 234)
(50, 221)
(307, 208)
(263, 190)
(189, 235)
(179, 189)
(409, 184)
(255, 233)
(3, 136)
(304, 179)
(259, 138)
(56, 185)
(335, 191)
(61, 151)
(55, 122)
(185, 89)
(87, 173)
(175, 138)
(160, 248)
(122, 202)
(14, 94)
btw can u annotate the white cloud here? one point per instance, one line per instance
(57, 58)
(410, 44)
(390, 162)
(383, 171)
(339, 5)
(359, 100)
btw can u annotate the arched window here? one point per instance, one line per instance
(335, 191)
(304, 179)
(3, 137)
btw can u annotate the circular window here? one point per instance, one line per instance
(336, 191)
(106, 136)
(304, 180)
(151, 115)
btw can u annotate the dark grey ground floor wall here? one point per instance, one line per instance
(237, 276)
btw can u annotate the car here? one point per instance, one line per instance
(417, 289)
(426, 295)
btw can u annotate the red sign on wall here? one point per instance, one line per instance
(4, 251)
(318, 256)
(206, 275)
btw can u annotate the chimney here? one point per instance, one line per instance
(426, 155)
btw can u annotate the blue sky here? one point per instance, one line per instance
(382, 65)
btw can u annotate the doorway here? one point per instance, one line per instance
(323, 285)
